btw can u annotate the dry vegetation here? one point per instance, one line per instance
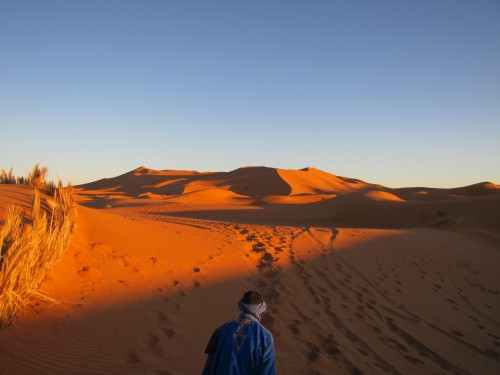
(32, 244)
(36, 178)
(7, 178)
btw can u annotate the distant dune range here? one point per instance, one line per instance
(359, 278)
(298, 197)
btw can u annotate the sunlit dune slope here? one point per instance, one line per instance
(211, 196)
(315, 181)
(248, 181)
(382, 196)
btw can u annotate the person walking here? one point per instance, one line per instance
(243, 346)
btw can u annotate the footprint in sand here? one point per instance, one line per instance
(171, 304)
(168, 332)
(363, 352)
(413, 360)
(153, 344)
(133, 359)
(162, 317)
(374, 328)
(295, 327)
(124, 261)
(313, 353)
(457, 333)
(251, 237)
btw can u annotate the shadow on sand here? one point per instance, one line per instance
(342, 312)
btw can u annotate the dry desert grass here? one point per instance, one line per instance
(30, 246)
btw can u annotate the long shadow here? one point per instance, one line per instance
(338, 312)
(349, 212)
(365, 215)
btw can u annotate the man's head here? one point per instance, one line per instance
(252, 298)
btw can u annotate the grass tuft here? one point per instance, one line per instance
(30, 245)
(7, 178)
(36, 177)
(50, 188)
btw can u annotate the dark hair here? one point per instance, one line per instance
(252, 298)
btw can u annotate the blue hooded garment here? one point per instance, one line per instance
(241, 347)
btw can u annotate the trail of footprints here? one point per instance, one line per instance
(265, 248)
(332, 285)
(265, 251)
(336, 285)
(150, 343)
(323, 290)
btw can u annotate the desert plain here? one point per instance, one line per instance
(359, 278)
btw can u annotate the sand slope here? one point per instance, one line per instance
(248, 181)
(357, 280)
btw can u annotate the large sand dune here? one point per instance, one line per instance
(359, 278)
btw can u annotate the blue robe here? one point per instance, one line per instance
(241, 347)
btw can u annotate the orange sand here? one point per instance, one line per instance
(363, 279)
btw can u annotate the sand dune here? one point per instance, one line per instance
(255, 181)
(382, 196)
(483, 188)
(248, 181)
(217, 196)
(315, 181)
(359, 278)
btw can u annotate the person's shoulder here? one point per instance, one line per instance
(264, 330)
(265, 336)
(226, 325)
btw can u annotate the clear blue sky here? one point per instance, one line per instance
(401, 93)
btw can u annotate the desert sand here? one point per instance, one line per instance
(359, 278)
